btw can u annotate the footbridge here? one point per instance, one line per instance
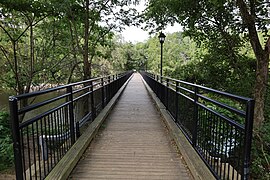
(131, 126)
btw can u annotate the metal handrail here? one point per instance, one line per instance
(57, 123)
(211, 126)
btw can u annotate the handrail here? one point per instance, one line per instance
(237, 97)
(56, 122)
(221, 134)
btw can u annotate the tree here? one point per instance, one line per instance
(222, 24)
(17, 18)
(253, 13)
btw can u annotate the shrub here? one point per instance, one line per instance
(6, 148)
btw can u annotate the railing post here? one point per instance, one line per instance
(195, 117)
(71, 114)
(93, 108)
(13, 105)
(102, 92)
(167, 93)
(117, 83)
(176, 100)
(248, 138)
(109, 88)
(113, 84)
(78, 134)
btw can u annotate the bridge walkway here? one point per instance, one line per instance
(133, 143)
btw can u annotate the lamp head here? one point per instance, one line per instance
(161, 37)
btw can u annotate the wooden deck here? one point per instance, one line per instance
(133, 143)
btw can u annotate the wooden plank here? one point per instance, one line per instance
(196, 165)
(133, 143)
(69, 161)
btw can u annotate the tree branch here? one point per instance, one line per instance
(72, 70)
(267, 45)
(6, 32)
(249, 21)
(5, 54)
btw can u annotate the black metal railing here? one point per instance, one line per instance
(217, 124)
(47, 128)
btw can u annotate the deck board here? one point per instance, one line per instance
(133, 143)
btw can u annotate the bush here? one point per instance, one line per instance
(6, 148)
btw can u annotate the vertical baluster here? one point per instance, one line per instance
(226, 148)
(219, 145)
(229, 150)
(49, 141)
(71, 114)
(195, 117)
(240, 154)
(62, 139)
(34, 149)
(176, 101)
(93, 108)
(43, 145)
(248, 138)
(28, 152)
(109, 89)
(102, 93)
(234, 130)
(167, 94)
(215, 139)
(58, 135)
(13, 104)
(38, 148)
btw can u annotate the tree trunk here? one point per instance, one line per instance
(74, 52)
(32, 58)
(260, 89)
(86, 64)
(262, 58)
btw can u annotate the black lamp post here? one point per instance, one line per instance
(146, 61)
(161, 40)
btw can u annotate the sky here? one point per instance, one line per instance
(136, 34)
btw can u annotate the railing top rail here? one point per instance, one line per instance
(216, 123)
(36, 93)
(45, 128)
(237, 97)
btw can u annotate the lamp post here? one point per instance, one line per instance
(161, 40)
(146, 61)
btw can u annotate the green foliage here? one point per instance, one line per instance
(212, 67)
(229, 102)
(219, 73)
(178, 50)
(6, 147)
(49, 38)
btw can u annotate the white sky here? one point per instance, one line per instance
(136, 34)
